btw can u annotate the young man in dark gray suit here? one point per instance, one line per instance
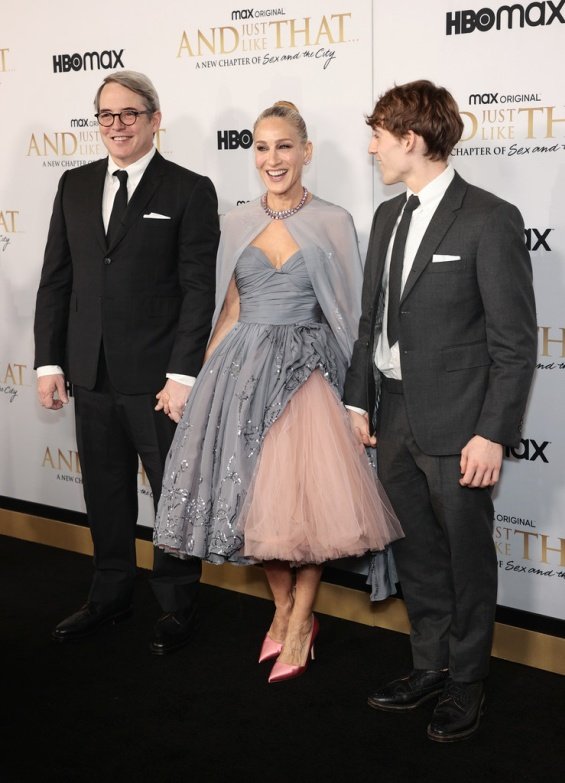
(123, 312)
(447, 346)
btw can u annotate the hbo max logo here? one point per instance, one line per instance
(233, 140)
(89, 61)
(529, 450)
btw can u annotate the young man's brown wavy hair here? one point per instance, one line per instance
(430, 111)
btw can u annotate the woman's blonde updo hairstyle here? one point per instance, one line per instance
(285, 110)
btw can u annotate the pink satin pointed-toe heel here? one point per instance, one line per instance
(269, 649)
(285, 671)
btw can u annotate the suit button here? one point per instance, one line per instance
(107, 261)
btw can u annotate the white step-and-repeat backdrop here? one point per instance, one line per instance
(216, 66)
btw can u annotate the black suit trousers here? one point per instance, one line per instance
(112, 430)
(447, 562)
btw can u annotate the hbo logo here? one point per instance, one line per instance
(232, 139)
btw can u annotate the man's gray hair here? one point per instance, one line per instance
(136, 82)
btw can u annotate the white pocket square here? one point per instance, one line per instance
(437, 259)
(156, 216)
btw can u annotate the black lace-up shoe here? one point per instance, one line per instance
(409, 692)
(171, 632)
(88, 619)
(458, 712)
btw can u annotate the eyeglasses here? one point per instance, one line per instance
(127, 117)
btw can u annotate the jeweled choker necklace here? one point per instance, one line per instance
(283, 213)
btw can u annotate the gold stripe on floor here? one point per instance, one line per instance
(510, 643)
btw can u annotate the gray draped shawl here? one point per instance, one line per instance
(328, 240)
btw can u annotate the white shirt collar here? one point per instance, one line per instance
(135, 169)
(434, 190)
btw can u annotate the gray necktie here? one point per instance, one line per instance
(395, 271)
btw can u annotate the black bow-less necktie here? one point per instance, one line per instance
(119, 206)
(395, 271)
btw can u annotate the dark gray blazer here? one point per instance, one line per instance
(468, 334)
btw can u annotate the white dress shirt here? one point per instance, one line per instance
(387, 358)
(111, 186)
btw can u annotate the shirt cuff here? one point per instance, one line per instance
(187, 380)
(49, 369)
(356, 410)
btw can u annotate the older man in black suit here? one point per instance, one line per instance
(123, 313)
(447, 344)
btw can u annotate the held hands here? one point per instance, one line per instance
(360, 426)
(172, 399)
(481, 460)
(52, 392)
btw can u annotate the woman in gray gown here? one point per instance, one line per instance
(264, 466)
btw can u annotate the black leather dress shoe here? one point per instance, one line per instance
(458, 712)
(171, 632)
(87, 620)
(409, 692)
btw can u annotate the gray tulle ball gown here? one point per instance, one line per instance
(264, 465)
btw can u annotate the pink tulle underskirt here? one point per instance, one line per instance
(315, 496)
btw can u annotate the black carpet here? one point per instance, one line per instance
(105, 709)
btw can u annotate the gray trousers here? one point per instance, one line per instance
(447, 562)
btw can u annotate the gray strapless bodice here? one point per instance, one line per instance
(274, 296)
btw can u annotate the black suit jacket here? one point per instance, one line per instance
(468, 335)
(148, 298)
